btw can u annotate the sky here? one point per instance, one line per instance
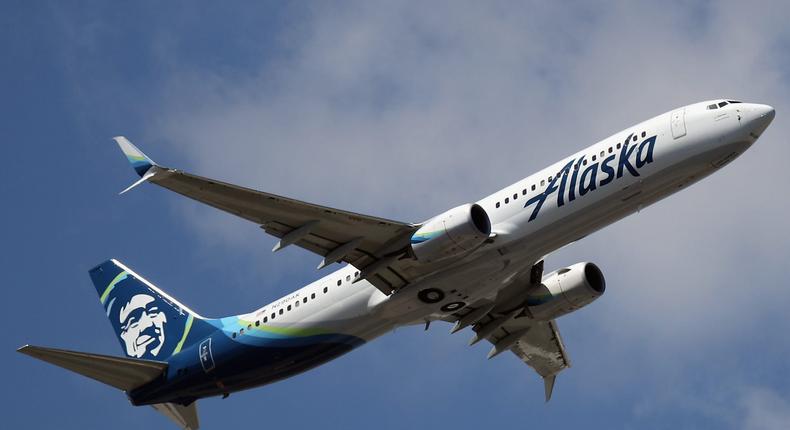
(399, 110)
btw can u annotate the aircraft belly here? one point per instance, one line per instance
(240, 367)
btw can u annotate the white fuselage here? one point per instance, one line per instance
(690, 143)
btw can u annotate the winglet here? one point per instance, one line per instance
(144, 166)
(548, 385)
(139, 161)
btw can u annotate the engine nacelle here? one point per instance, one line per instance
(566, 290)
(451, 234)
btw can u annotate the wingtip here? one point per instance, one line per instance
(146, 176)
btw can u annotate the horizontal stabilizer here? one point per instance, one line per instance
(185, 416)
(122, 373)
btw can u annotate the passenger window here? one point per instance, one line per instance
(241, 331)
(326, 289)
(356, 274)
(257, 323)
(296, 304)
(507, 200)
(634, 138)
(304, 300)
(610, 149)
(312, 296)
(249, 326)
(533, 187)
(515, 196)
(584, 162)
(618, 145)
(265, 320)
(644, 134)
(524, 192)
(549, 178)
(281, 311)
(603, 154)
(273, 315)
(234, 335)
(497, 204)
(593, 158)
(542, 182)
(289, 307)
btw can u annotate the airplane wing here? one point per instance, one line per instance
(505, 324)
(374, 245)
(536, 343)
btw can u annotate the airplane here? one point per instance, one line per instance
(478, 265)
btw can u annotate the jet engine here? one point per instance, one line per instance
(565, 291)
(451, 234)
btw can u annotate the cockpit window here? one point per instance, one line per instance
(722, 104)
(733, 101)
(713, 106)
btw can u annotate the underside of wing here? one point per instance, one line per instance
(542, 348)
(536, 343)
(334, 234)
(506, 324)
(376, 246)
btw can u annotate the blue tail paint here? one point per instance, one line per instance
(149, 323)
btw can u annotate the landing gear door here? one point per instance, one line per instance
(678, 123)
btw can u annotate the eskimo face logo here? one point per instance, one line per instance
(142, 326)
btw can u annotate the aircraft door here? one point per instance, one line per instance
(678, 123)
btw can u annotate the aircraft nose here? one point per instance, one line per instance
(761, 117)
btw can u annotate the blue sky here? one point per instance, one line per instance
(399, 110)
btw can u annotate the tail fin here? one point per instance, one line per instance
(149, 323)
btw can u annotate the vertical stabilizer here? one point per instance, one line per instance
(149, 323)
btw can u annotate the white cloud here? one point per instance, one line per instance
(764, 409)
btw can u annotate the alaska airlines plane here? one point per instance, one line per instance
(478, 265)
